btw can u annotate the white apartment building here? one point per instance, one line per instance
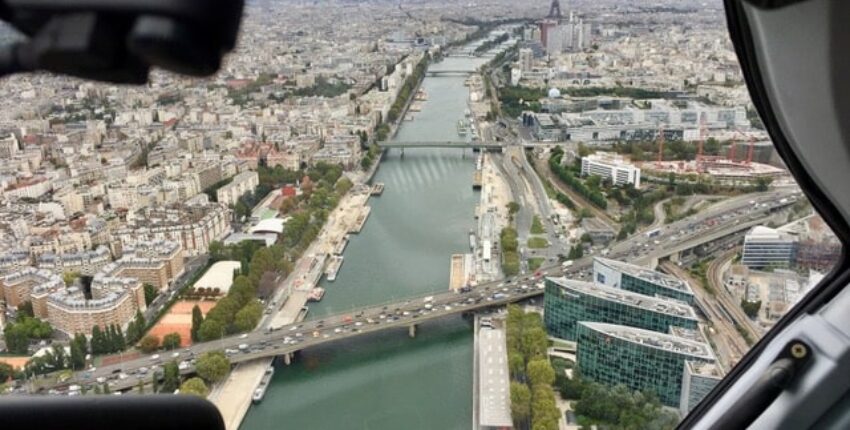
(241, 184)
(612, 167)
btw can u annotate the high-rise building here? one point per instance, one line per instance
(768, 247)
(639, 279)
(698, 380)
(613, 167)
(526, 58)
(566, 302)
(639, 359)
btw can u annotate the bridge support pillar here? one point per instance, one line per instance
(287, 358)
(411, 331)
(675, 257)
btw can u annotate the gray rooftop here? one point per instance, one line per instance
(493, 379)
(654, 339)
(640, 272)
(662, 305)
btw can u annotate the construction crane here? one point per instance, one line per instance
(700, 144)
(660, 144)
(750, 150)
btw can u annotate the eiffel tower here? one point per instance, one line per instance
(555, 10)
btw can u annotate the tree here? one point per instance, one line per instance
(170, 378)
(540, 372)
(194, 387)
(516, 364)
(70, 277)
(248, 317)
(25, 309)
(171, 341)
(150, 293)
(513, 208)
(520, 403)
(197, 320)
(751, 308)
(6, 372)
(98, 341)
(211, 330)
(212, 366)
(17, 339)
(78, 352)
(149, 344)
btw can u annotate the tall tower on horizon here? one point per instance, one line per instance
(555, 10)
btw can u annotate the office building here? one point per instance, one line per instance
(566, 302)
(639, 359)
(698, 380)
(639, 279)
(768, 247)
(612, 167)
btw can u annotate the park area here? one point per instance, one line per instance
(179, 320)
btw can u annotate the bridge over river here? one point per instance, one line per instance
(738, 215)
(477, 144)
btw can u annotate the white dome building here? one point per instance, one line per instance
(554, 93)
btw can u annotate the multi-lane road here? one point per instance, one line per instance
(735, 214)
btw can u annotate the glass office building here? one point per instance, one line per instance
(639, 279)
(639, 359)
(567, 302)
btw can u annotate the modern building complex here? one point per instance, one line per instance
(611, 166)
(768, 247)
(639, 279)
(639, 359)
(241, 184)
(567, 302)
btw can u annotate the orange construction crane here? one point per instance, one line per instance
(750, 150)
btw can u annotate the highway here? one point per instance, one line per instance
(273, 341)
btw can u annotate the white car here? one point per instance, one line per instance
(243, 336)
(155, 357)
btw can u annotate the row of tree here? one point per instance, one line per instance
(594, 196)
(407, 88)
(532, 397)
(510, 256)
(615, 407)
(108, 340)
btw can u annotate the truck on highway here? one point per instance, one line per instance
(429, 299)
(243, 347)
(567, 263)
(653, 233)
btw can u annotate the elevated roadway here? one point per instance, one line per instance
(288, 339)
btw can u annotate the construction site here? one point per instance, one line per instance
(726, 168)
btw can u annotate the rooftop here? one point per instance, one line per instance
(661, 305)
(645, 274)
(220, 276)
(494, 380)
(654, 339)
(701, 368)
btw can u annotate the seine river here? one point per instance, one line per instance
(389, 381)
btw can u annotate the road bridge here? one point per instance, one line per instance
(449, 72)
(477, 144)
(289, 339)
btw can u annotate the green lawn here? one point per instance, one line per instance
(535, 263)
(537, 226)
(537, 243)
